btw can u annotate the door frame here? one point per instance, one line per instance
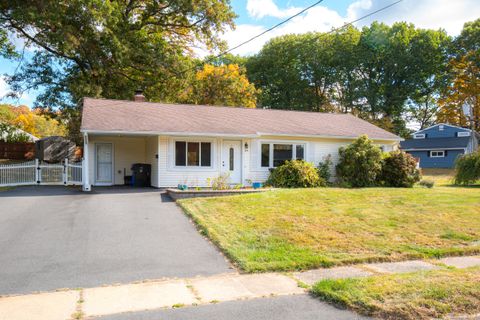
(96, 182)
(240, 158)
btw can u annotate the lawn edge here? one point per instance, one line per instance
(373, 310)
(203, 229)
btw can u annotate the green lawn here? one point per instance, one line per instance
(308, 228)
(442, 177)
(419, 295)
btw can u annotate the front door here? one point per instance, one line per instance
(103, 164)
(231, 160)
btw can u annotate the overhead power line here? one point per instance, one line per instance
(285, 21)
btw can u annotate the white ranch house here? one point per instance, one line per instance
(188, 144)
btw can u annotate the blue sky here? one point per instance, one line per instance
(255, 16)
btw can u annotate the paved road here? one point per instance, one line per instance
(57, 237)
(279, 308)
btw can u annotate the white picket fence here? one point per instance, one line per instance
(36, 172)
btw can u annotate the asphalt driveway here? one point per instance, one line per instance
(58, 237)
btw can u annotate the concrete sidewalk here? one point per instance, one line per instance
(175, 293)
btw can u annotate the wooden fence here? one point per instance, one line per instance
(17, 150)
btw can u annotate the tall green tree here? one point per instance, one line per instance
(109, 48)
(383, 74)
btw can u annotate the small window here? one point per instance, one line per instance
(281, 153)
(440, 127)
(180, 153)
(419, 136)
(437, 154)
(232, 153)
(463, 134)
(265, 155)
(193, 154)
(206, 153)
(299, 152)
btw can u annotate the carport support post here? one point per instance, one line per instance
(85, 171)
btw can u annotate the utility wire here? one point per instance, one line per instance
(269, 29)
(285, 21)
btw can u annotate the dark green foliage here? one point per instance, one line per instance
(295, 174)
(399, 169)
(360, 163)
(467, 169)
(109, 49)
(324, 168)
(380, 73)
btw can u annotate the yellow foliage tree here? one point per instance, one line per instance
(31, 121)
(465, 87)
(225, 85)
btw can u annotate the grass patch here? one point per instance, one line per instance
(307, 228)
(419, 295)
(442, 177)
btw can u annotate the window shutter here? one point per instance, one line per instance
(428, 153)
(446, 153)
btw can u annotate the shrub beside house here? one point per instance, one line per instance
(361, 164)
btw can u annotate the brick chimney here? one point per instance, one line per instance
(139, 97)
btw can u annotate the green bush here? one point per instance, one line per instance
(295, 174)
(399, 169)
(360, 163)
(467, 169)
(324, 168)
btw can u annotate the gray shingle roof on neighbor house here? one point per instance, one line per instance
(435, 143)
(119, 116)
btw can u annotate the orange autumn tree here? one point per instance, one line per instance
(225, 85)
(465, 83)
(35, 121)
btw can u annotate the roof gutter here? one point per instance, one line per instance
(160, 133)
(324, 136)
(204, 134)
(436, 148)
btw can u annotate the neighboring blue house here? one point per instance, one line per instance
(438, 146)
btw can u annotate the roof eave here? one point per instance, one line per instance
(210, 134)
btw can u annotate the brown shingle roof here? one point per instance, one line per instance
(118, 116)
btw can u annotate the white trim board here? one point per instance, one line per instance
(228, 135)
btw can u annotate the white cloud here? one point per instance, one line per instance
(24, 99)
(429, 14)
(316, 19)
(4, 89)
(433, 14)
(267, 8)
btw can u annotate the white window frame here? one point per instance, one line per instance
(419, 136)
(441, 127)
(438, 154)
(270, 154)
(186, 166)
(463, 134)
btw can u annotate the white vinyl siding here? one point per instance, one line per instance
(151, 158)
(170, 175)
(129, 150)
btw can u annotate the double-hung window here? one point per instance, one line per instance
(193, 154)
(275, 154)
(437, 154)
